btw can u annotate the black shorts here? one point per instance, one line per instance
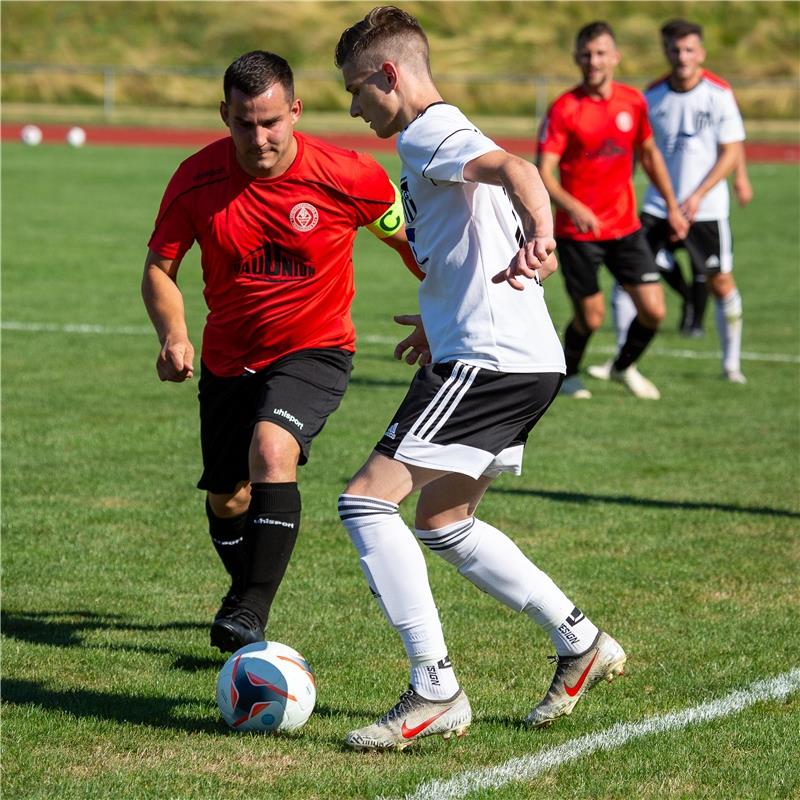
(629, 260)
(709, 244)
(298, 392)
(461, 418)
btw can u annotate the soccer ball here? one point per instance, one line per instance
(76, 137)
(31, 135)
(266, 686)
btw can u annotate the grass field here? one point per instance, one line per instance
(673, 524)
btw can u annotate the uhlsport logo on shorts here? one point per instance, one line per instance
(282, 412)
(304, 217)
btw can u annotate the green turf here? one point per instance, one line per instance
(689, 554)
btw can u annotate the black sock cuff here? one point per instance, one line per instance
(222, 525)
(279, 498)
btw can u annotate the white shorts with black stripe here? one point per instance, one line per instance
(460, 418)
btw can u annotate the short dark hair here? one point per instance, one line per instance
(679, 28)
(383, 25)
(592, 31)
(254, 72)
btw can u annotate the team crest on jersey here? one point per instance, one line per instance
(304, 217)
(624, 121)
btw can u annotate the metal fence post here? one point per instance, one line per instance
(108, 92)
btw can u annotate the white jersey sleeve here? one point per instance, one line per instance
(462, 234)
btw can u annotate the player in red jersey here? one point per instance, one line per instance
(591, 135)
(275, 214)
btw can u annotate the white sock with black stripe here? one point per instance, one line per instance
(489, 559)
(398, 578)
(729, 327)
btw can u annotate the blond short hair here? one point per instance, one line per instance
(387, 32)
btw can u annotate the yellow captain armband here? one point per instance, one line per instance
(392, 219)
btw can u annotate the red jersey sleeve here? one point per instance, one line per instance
(643, 129)
(371, 192)
(174, 232)
(554, 130)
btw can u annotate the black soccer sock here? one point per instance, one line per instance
(699, 299)
(574, 345)
(674, 278)
(273, 522)
(638, 338)
(227, 536)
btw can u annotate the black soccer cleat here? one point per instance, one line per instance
(229, 604)
(238, 628)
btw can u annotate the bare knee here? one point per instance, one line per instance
(590, 313)
(229, 505)
(721, 284)
(650, 305)
(274, 454)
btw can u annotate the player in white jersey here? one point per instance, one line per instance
(495, 366)
(699, 130)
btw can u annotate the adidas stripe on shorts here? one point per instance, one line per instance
(457, 417)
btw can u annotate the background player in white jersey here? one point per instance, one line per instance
(699, 130)
(496, 366)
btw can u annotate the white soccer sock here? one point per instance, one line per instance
(489, 559)
(624, 312)
(729, 326)
(398, 578)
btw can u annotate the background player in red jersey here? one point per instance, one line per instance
(591, 135)
(275, 214)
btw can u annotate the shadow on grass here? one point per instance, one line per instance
(68, 628)
(647, 502)
(155, 712)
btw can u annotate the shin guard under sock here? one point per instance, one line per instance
(273, 522)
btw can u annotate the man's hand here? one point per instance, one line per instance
(416, 342)
(743, 189)
(175, 360)
(584, 218)
(679, 224)
(534, 260)
(690, 206)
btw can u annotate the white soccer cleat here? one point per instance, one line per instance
(734, 376)
(635, 383)
(412, 718)
(575, 675)
(601, 371)
(573, 387)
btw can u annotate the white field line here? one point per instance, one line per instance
(144, 330)
(528, 767)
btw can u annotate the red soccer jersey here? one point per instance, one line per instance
(595, 140)
(276, 252)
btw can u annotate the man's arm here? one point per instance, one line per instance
(742, 187)
(728, 156)
(399, 243)
(164, 303)
(653, 164)
(583, 216)
(525, 189)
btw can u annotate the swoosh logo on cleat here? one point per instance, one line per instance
(410, 733)
(573, 690)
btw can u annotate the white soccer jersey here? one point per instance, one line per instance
(462, 234)
(688, 128)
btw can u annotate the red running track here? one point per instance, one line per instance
(774, 152)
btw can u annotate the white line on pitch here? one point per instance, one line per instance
(144, 330)
(528, 767)
(784, 358)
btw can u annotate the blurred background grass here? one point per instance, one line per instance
(506, 59)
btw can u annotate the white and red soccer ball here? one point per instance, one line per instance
(266, 686)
